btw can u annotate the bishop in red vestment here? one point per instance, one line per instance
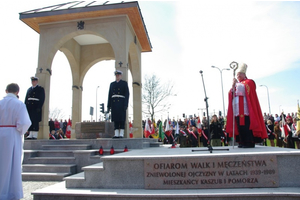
(244, 105)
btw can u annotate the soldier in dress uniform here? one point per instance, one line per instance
(34, 102)
(118, 96)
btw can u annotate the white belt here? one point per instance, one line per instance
(116, 95)
(33, 99)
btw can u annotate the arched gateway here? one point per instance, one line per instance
(88, 33)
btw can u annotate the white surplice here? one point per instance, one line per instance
(13, 112)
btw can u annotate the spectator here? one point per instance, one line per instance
(52, 135)
(60, 134)
(290, 139)
(56, 125)
(65, 124)
(215, 131)
(51, 125)
(277, 118)
(270, 131)
(193, 136)
(277, 131)
(205, 135)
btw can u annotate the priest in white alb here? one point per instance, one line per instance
(14, 122)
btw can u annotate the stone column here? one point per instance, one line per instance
(137, 111)
(76, 107)
(44, 81)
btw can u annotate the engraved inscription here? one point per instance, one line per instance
(214, 172)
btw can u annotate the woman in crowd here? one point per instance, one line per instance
(215, 131)
(270, 131)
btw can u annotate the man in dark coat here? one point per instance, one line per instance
(118, 96)
(34, 102)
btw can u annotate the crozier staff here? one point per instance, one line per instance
(34, 102)
(118, 96)
(244, 106)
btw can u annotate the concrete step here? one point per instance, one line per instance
(155, 144)
(55, 153)
(51, 168)
(40, 176)
(51, 160)
(67, 147)
(78, 180)
(59, 191)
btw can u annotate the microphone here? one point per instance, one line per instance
(201, 71)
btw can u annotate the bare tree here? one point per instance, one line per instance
(56, 113)
(155, 95)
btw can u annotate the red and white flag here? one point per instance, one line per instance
(199, 127)
(130, 130)
(149, 129)
(69, 128)
(284, 130)
(168, 130)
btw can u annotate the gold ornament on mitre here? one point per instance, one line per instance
(242, 68)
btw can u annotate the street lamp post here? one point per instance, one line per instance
(96, 102)
(268, 98)
(222, 85)
(280, 110)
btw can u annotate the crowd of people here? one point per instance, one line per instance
(193, 132)
(283, 130)
(57, 129)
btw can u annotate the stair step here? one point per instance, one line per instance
(78, 176)
(52, 160)
(155, 144)
(55, 153)
(50, 168)
(94, 167)
(67, 147)
(39, 176)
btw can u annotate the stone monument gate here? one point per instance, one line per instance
(88, 33)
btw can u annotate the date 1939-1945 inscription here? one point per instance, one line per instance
(246, 171)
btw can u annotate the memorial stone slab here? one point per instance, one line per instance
(93, 130)
(243, 171)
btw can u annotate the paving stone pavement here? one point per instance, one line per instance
(30, 186)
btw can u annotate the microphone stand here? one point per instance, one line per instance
(210, 149)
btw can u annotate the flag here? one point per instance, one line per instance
(161, 133)
(189, 124)
(168, 130)
(130, 130)
(69, 128)
(284, 129)
(199, 128)
(177, 129)
(149, 130)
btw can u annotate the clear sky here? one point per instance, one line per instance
(187, 36)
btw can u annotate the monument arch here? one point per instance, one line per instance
(87, 35)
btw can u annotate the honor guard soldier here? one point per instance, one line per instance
(34, 102)
(118, 96)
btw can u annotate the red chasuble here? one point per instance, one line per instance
(257, 124)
